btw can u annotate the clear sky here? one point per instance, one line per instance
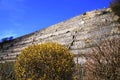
(20, 17)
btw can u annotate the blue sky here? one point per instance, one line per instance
(20, 17)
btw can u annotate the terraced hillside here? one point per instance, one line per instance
(79, 34)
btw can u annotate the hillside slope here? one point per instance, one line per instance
(79, 34)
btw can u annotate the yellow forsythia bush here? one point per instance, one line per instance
(48, 61)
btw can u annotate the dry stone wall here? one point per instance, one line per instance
(79, 34)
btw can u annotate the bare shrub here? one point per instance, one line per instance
(103, 62)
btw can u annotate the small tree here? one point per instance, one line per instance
(6, 39)
(48, 61)
(115, 6)
(103, 62)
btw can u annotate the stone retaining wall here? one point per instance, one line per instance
(79, 34)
